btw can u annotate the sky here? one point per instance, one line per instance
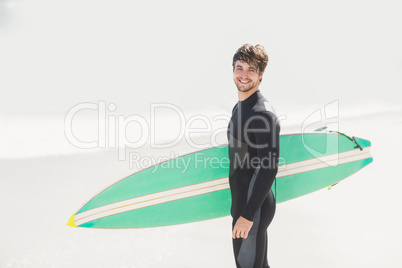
(57, 54)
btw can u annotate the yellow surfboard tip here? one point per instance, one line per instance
(71, 222)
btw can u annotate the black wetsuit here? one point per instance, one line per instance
(253, 135)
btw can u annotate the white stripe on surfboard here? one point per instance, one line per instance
(323, 162)
(152, 199)
(214, 185)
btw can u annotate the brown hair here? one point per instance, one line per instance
(253, 55)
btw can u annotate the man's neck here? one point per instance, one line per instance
(244, 95)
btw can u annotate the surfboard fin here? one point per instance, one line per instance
(332, 185)
(321, 129)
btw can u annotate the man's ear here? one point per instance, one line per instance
(260, 75)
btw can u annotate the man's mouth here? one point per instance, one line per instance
(244, 82)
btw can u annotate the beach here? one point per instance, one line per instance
(355, 224)
(92, 91)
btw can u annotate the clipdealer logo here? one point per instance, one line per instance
(112, 129)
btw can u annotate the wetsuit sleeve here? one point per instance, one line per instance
(265, 128)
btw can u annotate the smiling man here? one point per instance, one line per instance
(253, 135)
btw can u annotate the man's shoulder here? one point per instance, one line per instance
(264, 108)
(234, 107)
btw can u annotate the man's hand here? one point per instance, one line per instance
(241, 228)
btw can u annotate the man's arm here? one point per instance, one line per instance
(266, 129)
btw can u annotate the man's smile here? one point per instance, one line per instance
(244, 82)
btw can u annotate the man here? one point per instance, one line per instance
(253, 135)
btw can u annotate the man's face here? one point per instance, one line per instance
(246, 77)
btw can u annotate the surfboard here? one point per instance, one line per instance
(195, 187)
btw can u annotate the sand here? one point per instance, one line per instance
(356, 224)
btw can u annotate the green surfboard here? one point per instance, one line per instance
(172, 192)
